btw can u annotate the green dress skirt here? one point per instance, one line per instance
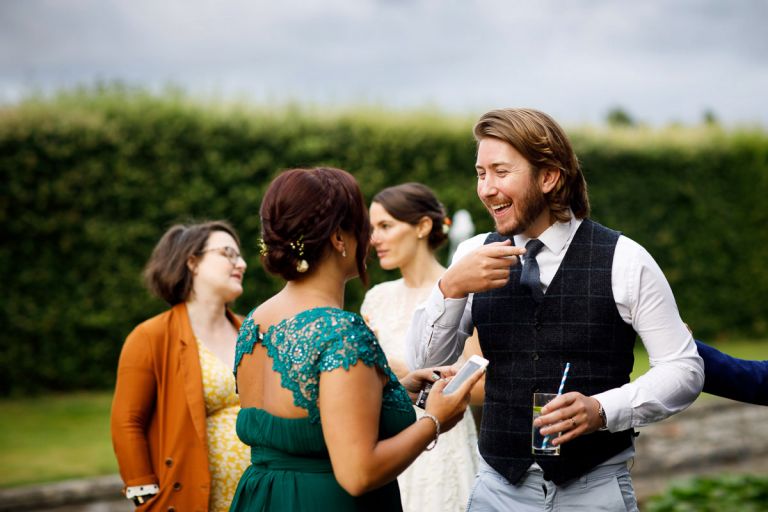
(290, 468)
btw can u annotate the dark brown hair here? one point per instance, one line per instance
(305, 207)
(544, 144)
(410, 202)
(166, 273)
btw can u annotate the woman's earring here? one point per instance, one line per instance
(343, 252)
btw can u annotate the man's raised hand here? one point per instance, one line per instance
(485, 268)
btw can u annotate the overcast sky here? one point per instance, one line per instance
(662, 61)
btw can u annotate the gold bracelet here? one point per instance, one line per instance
(437, 429)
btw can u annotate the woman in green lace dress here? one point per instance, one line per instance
(329, 425)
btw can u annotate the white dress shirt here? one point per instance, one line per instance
(644, 300)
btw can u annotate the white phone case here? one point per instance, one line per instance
(470, 366)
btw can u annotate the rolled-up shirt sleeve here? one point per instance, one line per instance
(440, 326)
(438, 331)
(676, 375)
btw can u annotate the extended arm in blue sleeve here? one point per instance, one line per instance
(730, 377)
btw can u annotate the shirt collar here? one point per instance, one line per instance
(556, 237)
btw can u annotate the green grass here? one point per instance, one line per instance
(55, 437)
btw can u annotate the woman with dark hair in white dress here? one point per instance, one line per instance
(409, 225)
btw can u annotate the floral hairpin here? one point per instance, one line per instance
(446, 224)
(262, 246)
(298, 247)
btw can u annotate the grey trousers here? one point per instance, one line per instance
(606, 488)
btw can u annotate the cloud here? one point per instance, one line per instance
(661, 60)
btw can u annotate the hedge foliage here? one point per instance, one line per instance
(745, 493)
(91, 179)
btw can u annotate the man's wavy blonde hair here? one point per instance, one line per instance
(543, 143)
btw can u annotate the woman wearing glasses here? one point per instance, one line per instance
(174, 409)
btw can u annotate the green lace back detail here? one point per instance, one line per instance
(319, 340)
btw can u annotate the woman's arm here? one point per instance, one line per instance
(132, 408)
(350, 408)
(399, 368)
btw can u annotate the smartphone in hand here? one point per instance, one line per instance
(421, 401)
(470, 367)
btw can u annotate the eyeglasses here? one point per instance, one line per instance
(228, 252)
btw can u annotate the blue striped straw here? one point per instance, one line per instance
(562, 381)
(559, 392)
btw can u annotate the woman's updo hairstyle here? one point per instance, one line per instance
(300, 211)
(410, 202)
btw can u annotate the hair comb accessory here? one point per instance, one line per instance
(262, 247)
(298, 247)
(446, 224)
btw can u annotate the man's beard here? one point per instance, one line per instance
(530, 207)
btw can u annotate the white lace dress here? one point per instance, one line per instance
(440, 479)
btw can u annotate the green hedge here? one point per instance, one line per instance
(91, 179)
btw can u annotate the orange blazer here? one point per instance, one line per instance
(158, 413)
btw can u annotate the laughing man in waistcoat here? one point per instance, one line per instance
(586, 296)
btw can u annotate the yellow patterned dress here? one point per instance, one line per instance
(227, 455)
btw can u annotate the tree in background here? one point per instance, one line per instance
(710, 118)
(618, 117)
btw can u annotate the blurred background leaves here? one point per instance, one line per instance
(92, 177)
